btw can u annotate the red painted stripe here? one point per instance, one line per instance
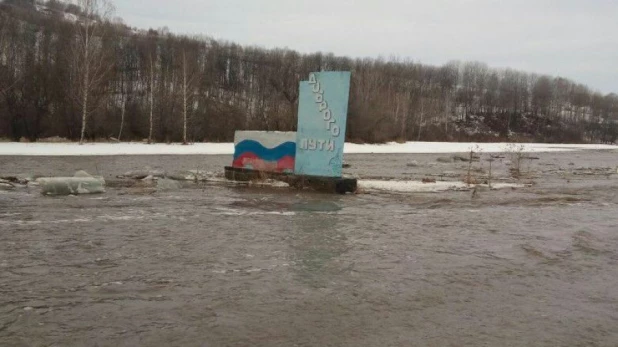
(245, 157)
(286, 164)
(249, 159)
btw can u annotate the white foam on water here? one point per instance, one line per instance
(250, 270)
(120, 218)
(104, 218)
(39, 222)
(9, 214)
(234, 212)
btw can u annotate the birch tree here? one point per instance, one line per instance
(91, 61)
(190, 76)
(123, 106)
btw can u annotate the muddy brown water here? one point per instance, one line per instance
(221, 265)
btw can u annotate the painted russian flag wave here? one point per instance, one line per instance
(251, 154)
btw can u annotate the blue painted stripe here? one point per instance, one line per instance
(268, 154)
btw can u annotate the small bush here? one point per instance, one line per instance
(55, 139)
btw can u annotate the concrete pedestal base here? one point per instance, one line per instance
(339, 185)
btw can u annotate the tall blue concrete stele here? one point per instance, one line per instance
(322, 116)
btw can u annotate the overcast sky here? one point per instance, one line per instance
(577, 39)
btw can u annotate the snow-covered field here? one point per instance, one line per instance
(74, 149)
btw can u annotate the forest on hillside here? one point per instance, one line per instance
(77, 72)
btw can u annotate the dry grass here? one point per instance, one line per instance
(474, 155)
(470, 180)
(55, 139)
(517, 155)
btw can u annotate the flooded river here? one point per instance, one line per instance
(216, 264)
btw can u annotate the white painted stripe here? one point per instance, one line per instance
(268, 139)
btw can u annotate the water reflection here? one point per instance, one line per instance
(316, 206)
(317, 241)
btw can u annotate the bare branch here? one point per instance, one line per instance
(6, 90)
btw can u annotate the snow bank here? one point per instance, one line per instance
(420, 187)
(97, 149)
(458, 147)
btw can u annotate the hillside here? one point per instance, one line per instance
(147, 84)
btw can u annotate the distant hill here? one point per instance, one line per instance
(148, 83)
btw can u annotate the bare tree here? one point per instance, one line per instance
(422, 115)
(3, 47)
(188, 89)
(151, 100)
(90, 58)
(123, 105)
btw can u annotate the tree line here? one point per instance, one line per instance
(74, 71)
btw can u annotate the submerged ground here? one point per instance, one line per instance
(221, 265)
